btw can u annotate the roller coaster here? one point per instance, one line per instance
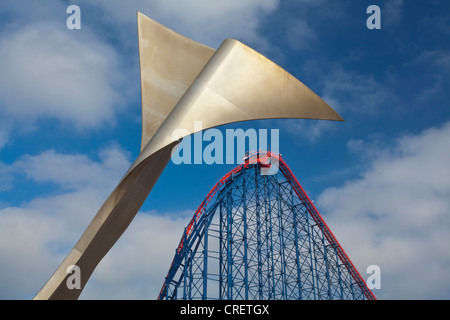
(258, 236)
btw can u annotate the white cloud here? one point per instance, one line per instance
(209, 22)
(36, 236)
(5, 131)
(51, 166)
(136, 266)
(397, 216)
(48, 72)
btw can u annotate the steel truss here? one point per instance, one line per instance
(259, 237)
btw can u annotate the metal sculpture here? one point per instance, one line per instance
(259, 237)
(183, 81)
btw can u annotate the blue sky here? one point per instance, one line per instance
(70, 128)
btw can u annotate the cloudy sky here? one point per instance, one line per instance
(70, 128)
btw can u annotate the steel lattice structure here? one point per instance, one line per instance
(259, 237)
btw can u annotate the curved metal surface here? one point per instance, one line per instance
(182, 82)
(169, 63)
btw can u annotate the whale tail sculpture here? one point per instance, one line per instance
(183, 81)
